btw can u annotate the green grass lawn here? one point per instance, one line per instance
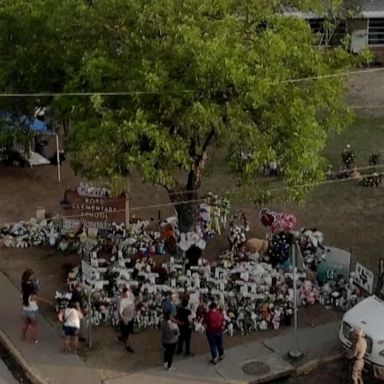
(351, 216)
(365, 137)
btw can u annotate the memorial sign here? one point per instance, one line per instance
(337, 265)
(364, 278)
(94, 212)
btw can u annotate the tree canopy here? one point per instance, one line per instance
(201, 74)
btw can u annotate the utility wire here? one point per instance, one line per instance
(367, 106)
(122, 93)
(337, 74)
(137, 208)
(333, 173)
(130, 93)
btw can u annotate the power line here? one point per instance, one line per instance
(334, 173)
(314, 184)
(183, 202)
(367, 106)
(131, 93)
(139, 208)
(338, 74)
(59, 94)
(270, 190)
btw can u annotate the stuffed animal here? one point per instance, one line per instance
(259, 246)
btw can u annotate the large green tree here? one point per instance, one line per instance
(203, 75)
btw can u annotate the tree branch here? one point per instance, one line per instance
(196, 172)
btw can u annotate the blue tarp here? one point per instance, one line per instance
(33, 124)
(39, 126)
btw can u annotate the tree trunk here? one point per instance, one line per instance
(185, 200)
(66, 124)
(186, 212)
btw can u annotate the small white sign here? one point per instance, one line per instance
(364, 277)
(87, 272)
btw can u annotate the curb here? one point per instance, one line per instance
(31, 374)
(306, 368)
(273, 377)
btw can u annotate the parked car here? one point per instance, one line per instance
(368, 315)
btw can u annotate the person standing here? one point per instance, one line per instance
(126, 311)
(169, 338)
(78, 299)
(169, 306)
(71, 317)
(29, 298)
(357, 354)
(185, 327)
(201, 310)
(214, 325)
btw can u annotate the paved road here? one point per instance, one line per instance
(333, 373)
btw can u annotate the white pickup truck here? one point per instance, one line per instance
(369, 316)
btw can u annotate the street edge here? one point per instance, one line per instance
(273, 377)
(32, 375)
(313, 364)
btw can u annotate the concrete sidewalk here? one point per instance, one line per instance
(230, 370)
(46, 364)
(270, 356)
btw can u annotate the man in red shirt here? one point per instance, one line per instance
(214, 325)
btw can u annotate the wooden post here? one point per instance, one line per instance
(58, 158)
(127, 211)
(89, 299)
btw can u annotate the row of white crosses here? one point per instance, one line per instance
(249, 285)
(97, 283)
(254, 281)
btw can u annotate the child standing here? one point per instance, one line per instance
(71, 317)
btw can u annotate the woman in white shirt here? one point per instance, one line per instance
(70, 317)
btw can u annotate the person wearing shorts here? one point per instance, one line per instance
(30, 317)
(78, 297)
(30, 307)
(71, 317)
(126, 311)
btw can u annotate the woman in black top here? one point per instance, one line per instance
(185, 326)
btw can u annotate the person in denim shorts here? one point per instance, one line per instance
(30, 307)
(70, 317)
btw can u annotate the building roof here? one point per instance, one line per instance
(365, 8)
(370, 5)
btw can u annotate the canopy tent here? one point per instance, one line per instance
(41, 127)
(37, 126)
